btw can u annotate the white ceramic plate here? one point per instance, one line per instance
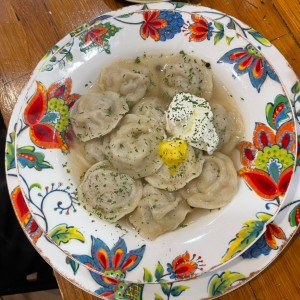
(47, 182)
(234, 274)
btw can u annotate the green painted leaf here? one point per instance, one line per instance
(158, 297)
(165, 288)
(264, 217)
(218, 37)
(10, 151)
(294, 216)
(178, 4)
(69, 57)
(63, 51)
(219, 26)
(74, 265)
(229, 39)
(53, 59)
(272, 111)
(61, 64)
(125, 16)
(159, 271)
(296, 87)
(27, 157)
(219, 284)
(107, 50)
(63, 234)
(69, 44)
(51, 51)
(250, 231)
(147, 275)
(47, 67)
(231, 24)
(177, 290)
(259, 37)
(55, 48)
(35, 185)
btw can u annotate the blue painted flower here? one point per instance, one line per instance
(249, 60)
(112, 263)
(161, 25)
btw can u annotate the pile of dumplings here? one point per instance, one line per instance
(121, 122)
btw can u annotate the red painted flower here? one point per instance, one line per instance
(47, 115)
(183, 266)
(200, 30)
(152, 23)
(24, 215)
(95, 35)
(272, 233)
(268, 160)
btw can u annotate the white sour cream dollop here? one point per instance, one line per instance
(190, 118)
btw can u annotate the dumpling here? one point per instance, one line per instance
(165, 179)
(216, 185)
(130, 83)
(229, 127)
(132, 147)
(108, 193)
(150, 107)
(189, 75)
(94, 149)
(158, 212)
(96, 114)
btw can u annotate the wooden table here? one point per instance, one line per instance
(29, 28)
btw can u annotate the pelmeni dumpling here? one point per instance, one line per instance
(229, 127)
(108, 193)
(150, 107)
(130, 83)
(158, 212)
(189, 75)
(170, 180)
(94, 149)
(216, 185)
(132, 147)
(96, 114)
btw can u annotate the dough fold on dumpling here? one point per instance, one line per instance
(94, 149)
(96, 114)
(229, 127)
(132, 84)
(158, 212)
(132, 147)
(189, 75)
(165, 179)
(150, 107)
(108, 193)
(216, 185)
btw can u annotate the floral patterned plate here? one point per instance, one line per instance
(207, 286)
(267, 155)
